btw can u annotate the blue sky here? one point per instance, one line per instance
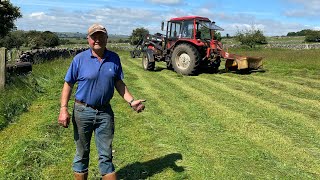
(273, 17)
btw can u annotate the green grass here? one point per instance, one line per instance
(210, 126)
(272, 40)
(286, 40)
(17, 96)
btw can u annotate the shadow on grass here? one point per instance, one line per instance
(220, 71)
(158, 69)
(143, 170)
(243, 72)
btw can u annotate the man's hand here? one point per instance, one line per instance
(64, 117)
(137, 105)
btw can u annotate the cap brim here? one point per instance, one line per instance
(97, 31)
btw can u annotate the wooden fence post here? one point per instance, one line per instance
(3, 54)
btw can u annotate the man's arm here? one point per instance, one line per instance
(126, 95)
(64, 116)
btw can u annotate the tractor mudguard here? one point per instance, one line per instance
(149, 54)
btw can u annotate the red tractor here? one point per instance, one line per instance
(188, 46)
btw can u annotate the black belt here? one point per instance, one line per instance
(103, 107)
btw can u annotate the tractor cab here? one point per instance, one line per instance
(193, 29)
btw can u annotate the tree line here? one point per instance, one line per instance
(30, 39)
(12, 38)
(310, 35)
(250, 37)
(37, 40)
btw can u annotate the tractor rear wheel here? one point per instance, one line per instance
(185, 59)
(146, 63)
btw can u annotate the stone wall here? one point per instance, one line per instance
(294, 46)
(41, 55)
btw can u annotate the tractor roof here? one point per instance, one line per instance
(189, 18)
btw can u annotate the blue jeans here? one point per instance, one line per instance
(87, 120)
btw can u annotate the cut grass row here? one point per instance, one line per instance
(269, 121)
(211, 126)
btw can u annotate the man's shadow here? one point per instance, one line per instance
(143, 170)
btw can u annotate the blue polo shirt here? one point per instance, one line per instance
(95, 79)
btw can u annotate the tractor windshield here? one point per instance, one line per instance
(187, 29)
(204, 29)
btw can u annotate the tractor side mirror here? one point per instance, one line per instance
(162, 26)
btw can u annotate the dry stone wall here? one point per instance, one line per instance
(295, 46)
(42, 55)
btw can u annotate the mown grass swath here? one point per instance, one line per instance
(210, 126)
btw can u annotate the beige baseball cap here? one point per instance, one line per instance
(95, 28)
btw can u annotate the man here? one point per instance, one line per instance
(97, 71)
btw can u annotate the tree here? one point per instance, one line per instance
(292, 34)
(49, 39)
(14, 39)
(217, 36)
(138, 34)
(8, 14)
(313, 36)
(303, 32)
(34, 40)
(251, 37)
(37, 39)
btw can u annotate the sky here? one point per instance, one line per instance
(121, 17)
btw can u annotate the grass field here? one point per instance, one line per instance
(264, 125)
(272, 40)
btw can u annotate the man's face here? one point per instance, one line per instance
(98, 40)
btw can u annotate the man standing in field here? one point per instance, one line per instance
(97, 71)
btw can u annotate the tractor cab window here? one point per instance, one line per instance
(203, 30)
(174, 29)
(187, 30)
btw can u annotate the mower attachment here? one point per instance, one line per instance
(242, 62)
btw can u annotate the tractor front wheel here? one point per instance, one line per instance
(185, 59)
(146, 62)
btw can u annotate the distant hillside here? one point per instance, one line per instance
(70, 35)
(82, 35)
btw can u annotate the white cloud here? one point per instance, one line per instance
(116, 23)
(41, 16)
(122, 20)
(37, 14)
(310, 8)
(66, 4)
(166, 2)
(312, 4)
(232, 22)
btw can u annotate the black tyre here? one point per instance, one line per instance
(169, 65)
(185, 59)
(138, 51)
(132, 54)
(146, 63)
(213, 67)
